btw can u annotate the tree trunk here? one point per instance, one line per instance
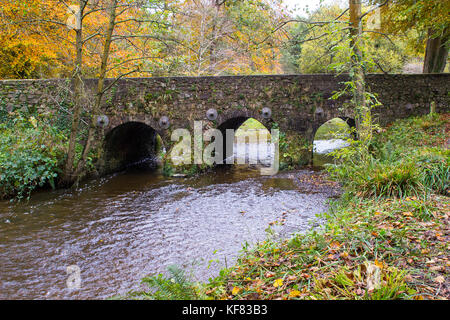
(78, 85)
(213, 47)
(362, 112)
(436, 53)
(100, 89)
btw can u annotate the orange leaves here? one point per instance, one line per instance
(28, 49)
(379, 264)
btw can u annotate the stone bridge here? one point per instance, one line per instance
(138, 108)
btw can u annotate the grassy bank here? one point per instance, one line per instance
(386, 238)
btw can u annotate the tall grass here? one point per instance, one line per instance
(406, 159)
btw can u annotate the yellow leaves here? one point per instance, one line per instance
(294, 294)
(235, 291)
(278, 283)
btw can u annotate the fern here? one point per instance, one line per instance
(174, 287)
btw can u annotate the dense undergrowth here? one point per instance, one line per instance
(386, 238)
(32, 151)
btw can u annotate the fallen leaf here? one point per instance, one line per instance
(294, 293)
(407, 214)
(439, 279)
(379, 264)
(292, 278)
(235, 291)
(437, 268)
(278, 283)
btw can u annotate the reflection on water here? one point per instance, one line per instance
(327, 146)
(129, 225)
(323, 148)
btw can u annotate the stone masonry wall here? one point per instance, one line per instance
(299, 103)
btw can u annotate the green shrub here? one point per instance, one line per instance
(31, 156)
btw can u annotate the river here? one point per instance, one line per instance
(123, 227)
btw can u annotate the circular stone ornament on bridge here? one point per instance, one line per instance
(102, 121)
(164, 122)
(266, 113)
(211, 114)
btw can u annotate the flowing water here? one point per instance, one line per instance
(123, 227)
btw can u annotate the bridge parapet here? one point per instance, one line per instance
(299, 104)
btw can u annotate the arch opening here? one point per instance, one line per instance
(330, 136)
(132, 146)
(249, 145)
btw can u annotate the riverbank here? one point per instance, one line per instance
(386, 238)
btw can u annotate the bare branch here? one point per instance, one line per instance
(383, 34)
(375, 8)
(117, 79)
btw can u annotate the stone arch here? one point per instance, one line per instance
(116, 121)
(322, 144)
(131, 143)
(234, 120)
(348, 120)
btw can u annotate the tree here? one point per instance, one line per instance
(430, 18)
(228, 36)
(125, 22)
(104, 37)
(325, 51)
(362, 112)
(31, 52)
